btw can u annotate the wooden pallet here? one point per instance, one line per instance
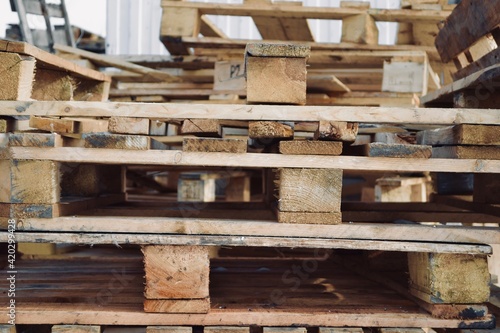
(33, 74)
(471, 46)
(291, 15)
(107, 289)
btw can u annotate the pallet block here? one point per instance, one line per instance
(29, 182)
(449, 278)
(193, 187)
(177, 279)
(276, 73)
(309, 196)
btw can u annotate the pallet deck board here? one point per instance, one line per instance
(392, 115)
(249, 160)
(243, 228)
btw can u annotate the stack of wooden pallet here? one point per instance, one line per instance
(234, 217)
(100, 151)
(356, 71)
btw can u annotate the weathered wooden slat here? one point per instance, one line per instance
(394, 115)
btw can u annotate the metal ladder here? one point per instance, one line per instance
(41, 8)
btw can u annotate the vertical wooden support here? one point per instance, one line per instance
(196, 187)
(449, 278)
(309, 196)
(177, 279)
(17, 72)
(32, 182)
(177, 23)
(238, 189)
(276, 73)
(75, 329)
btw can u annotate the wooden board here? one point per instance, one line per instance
(461, 135)
(310, 12)
(201, 127)
(309, 217)
(75, 329)
(467, 152)
(336, 131)
(52, 61)
(104, 60)
(359, 29)
(378, 149)
(393, 115)
(249, 160)
(128, 125)
(269, 130)
(214, 145)
(310, 147)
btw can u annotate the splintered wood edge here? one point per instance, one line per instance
(285, 50)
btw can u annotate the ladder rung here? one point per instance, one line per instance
(34, 7)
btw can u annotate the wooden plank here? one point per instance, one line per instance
(469, 21)
(35, 140)
(228, 240)
(309, 147)
(75, 329)
(433, 278)
(310, 217)
(18, 73)
(32, 182)
(276, 80)
(68, 125)
(269, 130)
(461, 135)
(467, 152)
(176, 272)
(340, 330)
(311, 12)
(104, 60)
(309, 190)
(51, 61)
(111, 141)
(249, 160)
(226, 329)
(284, 330)
(394, 115)
(336, 131)
(66, 207)
(201, 305)
(237, 146)
(128, 125)
(169, 329)
(202, 127)
(379, 149)
(179, 22)
(389, 232)
(132, 315)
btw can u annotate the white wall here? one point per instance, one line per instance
(89, 15)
